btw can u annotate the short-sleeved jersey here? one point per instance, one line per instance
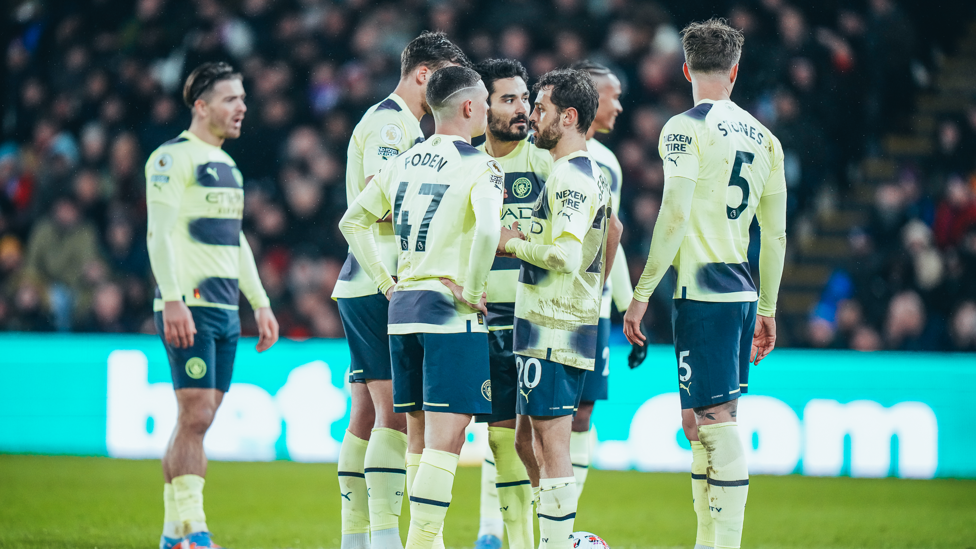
(610, 167)
(386, 130)
(526, 169)
(430, 190)
(556, 314)
(202, 181)
(735, 161)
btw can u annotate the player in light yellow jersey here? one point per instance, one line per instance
(201, 261)
(506, 484)
(570, 243)
(372, 463)
(445, 197)
(721, 168)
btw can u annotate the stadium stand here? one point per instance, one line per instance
(874, 102)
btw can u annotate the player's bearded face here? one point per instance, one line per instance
(545, 120)
(226, 109)
(504, 128)
(508, 117)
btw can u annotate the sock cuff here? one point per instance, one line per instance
(697, 445)
(390, 433)
(547, 484)
(501, 435)
(579, 448)
(715, 427)
(353, 440)
(188, 483)
(413, 460)
(168, 491)
(445, 461)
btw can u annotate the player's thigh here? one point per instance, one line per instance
(504, 378)
(407, 358)
(546, 388)
(364, 320)
(456, 373)
(194, 366)
(707, 340)
(596, 382)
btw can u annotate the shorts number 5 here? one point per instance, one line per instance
(682, 365)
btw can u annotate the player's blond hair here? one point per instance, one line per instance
(711, 46)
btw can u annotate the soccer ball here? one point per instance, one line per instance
(586, 540)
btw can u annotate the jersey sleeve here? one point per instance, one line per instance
(573, 203)
(374, 198)
(385, 139)
(777, 176)
(679, 148)
(168, 174)
(490, 184)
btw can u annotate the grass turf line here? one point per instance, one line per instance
(75, 503)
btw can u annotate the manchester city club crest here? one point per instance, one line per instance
(486, 390)
(522, 187)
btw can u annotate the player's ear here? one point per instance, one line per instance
(569, 116)
(467, 108)
(734, 73)
(684, 69)
(422, 74)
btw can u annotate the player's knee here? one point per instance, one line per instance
(690, 427)
(197, 419)
(581, 421)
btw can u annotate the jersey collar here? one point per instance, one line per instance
(569, 157)
(192, 137)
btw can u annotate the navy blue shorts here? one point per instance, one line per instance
(441, 373)
(595, 383)
(713, 343)
(547, 388)
(504, 377)
(364, 319)
(209, 363)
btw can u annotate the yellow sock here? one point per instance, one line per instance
(385, 469)
(431, 497)
(514, 489)
(188, 493)
(705, 538)
(557, 511)
(352, 491)
(490, 523)
(172, 526)
(413, 463)
(728, 481)
(579, 453)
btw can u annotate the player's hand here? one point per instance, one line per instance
(506, 235)
(387, 219)
(267, 328)
(458, 292)
(637, 354)
(764, 338)
(178, 325)
(389, 292)
(632, 322)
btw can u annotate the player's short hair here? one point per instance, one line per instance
(448, 81)
(500, 69)
(572, 88)
(432, 49)
(711, 46)
(203, 79)
(592, 68)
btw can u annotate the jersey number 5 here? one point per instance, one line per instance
(741, 157)
(436, 192)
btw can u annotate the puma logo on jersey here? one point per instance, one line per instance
(213, 172)
(673, 159)
(686, 387)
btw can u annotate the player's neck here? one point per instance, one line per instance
(569, 143)
(454, 129)
(713, 89)
(413, 96)
(496, 148)
(199, 128)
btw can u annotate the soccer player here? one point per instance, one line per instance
(571, 241)
(201, 261)
(371, 459)
(721, 168)
(618, 289)
(506, 487)
(445, 197)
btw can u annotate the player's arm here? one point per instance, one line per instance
(771, 215)
(486, 201)
(622, 286)
(164, 193)
(381, 143)
(614, 230)
(356, 226)
(253, 290)
(570, 223)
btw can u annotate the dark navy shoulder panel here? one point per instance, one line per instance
(466, 149)
(699, 111)
(583, 164)
(389, 105)
(174, 141)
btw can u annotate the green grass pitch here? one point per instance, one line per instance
(70, 502)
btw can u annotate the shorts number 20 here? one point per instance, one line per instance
(525, 367)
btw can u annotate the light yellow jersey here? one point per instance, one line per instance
(526, 169)
(556, 314)
(735, 161)
(203, 183)
(430, 190)
(610, 167)
(386, 130)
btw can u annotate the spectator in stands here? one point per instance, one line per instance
(963, 328)
(956, 212)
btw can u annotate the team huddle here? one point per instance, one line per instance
(479, 284)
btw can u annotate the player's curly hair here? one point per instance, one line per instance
(203, 79)
(448, 81)
(711, 46)
(499, 69)
(572, 88)
(433, 50)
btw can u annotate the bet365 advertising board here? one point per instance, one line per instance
(824, 413)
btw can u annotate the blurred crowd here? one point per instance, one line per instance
(93, 86)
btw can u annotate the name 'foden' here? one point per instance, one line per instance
(429, 160)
